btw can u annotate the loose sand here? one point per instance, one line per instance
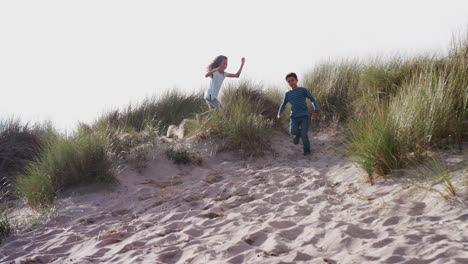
(282, 208)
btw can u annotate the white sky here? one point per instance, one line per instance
(70, 60)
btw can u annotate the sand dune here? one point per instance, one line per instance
(283, 208)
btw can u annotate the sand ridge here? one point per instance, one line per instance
(283, 208)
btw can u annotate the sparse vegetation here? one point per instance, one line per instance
(120, 143)
(138, 158)
(372, 144)
(155, 113)
(352, 88)
(394, 109)
(66, 162)
(268, 101)
(245, 123)
(399, 109)
(181, 155)
(20, 143)
(5, 226)
(433, 175)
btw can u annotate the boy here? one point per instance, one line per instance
(299, 120)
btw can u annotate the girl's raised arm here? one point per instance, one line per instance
(239, 71)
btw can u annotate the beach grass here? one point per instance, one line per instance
(245, 124)
(427, 108)
(393, 109)
(433, 175)
(156, 112)
(66, 162)
(19, 143)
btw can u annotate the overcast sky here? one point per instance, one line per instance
(70, 60)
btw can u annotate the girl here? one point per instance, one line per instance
(216, 70)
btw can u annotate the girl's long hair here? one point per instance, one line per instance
(216, 62)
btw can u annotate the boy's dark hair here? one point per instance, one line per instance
(291, 74)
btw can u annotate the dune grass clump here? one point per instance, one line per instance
(372, 144)
(156, 113)
(425, 110)
(332, 85)
(5, 226)
(20, 143)
(140, 124)
(352, 88)
(120, 142)
(253, 94)
(245, 123)
(66, 162)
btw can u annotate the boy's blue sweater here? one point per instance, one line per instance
(297, 98)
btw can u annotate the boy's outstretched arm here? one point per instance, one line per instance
(239, 71)
(314, 103)
(283, 106)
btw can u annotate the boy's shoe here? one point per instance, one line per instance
(307, 152)
(296, 140)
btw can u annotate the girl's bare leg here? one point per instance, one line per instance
(201, 116)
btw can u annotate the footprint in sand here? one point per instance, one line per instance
(170, 255)
(428, 218)
(273, 199)
(236, 249)
(302, 257)
(237, 201)
(100, 252)
(394, 220)
(37, 260)
(296, 197)
(394, 259)
(435, 238)
(282, 224)
(260, 210)
(357, 232)
(48, 235)
(294, 182)
(59, 249)
(131, 246)
(315, 239)
(291, 234)
(382, 243)
(368, 220)
(463, 218)
(236, 260)
(400, 251)
(303, 210)
(276, 250)
(72, 239)
(413, 239)
(108, 241)
(417, 209)
(194, 232)
(178, 216)
(256, 239)
(144, 225)
(271, 190)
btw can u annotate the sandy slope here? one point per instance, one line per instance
(280, 209)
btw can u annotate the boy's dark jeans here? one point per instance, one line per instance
(299, 126)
